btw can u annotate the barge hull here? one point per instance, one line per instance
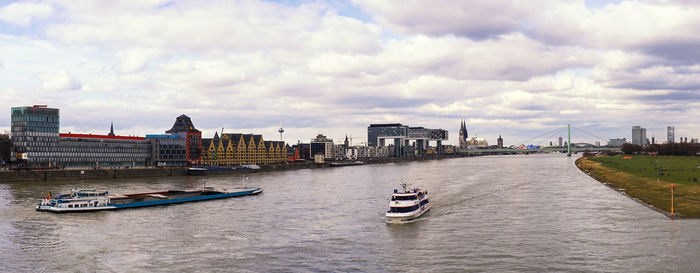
(185, 199)
(149, 203)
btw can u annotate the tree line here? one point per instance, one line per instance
(5, 146)
(692, 149)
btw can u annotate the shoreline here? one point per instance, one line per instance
(619, 182)
(117, 173)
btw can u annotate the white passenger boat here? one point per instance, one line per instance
(408, 204)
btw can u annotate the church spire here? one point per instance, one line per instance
(111, 129)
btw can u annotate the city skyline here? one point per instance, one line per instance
(335, 67)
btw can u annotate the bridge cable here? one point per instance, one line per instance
(549, 136)
(558, 132)
(584, 131)
(539, 136)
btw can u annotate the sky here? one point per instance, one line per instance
(518, 69)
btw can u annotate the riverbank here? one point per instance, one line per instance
(76, 174)
(648, 180)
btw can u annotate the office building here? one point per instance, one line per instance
(37, 142)
(401, 135)
(322, 145)
(34, 129)
(639, 135)
(339, 151)
(85, 150)
(617, 142)
(671, 134)
(167, 150)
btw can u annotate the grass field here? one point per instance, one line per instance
(649, 179)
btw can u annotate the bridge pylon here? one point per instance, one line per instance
(568, 149)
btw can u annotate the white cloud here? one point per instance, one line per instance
(58, 81)
(475, 19)
(24, 13)
(134, 59)
(250, 64)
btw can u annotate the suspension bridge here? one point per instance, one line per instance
(530, 145)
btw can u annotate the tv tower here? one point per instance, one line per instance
(281, 131)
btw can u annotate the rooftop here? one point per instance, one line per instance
(100, 136)
(386, 125)
(183, 123)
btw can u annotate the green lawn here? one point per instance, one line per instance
(648, 178)
(671, 169)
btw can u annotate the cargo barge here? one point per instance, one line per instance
(92, 200)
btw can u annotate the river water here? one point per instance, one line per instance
(493, 213)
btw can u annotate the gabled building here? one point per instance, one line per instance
(235, 149)
(184, 128)
(293, 153)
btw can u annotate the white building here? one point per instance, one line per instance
(617, 142)
(352, 153)
(639, 135)
(371, 152)
(338, 152)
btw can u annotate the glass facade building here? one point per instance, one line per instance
(374, 131)
(34, 130)
(37, 142)
(168, 150)
(639, 135)
(80, 150)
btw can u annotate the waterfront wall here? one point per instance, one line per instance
(54, 175)
(51, 175)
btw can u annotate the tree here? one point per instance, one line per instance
(631, 148)
(5, 146)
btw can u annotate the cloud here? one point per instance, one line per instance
(656, 78)
(247, 65)
(134, 59)
(473, 19)
(24, 13)
(58, 81)
(202, 26)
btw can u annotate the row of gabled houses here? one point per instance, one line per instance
(234, 149)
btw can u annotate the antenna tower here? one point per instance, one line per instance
(281, 131)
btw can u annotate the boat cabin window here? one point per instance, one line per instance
(403, 209)
(403, 198)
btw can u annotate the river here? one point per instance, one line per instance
(493, 213)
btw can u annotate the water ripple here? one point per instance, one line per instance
(529, 213)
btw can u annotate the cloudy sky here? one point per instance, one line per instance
(516, 68)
